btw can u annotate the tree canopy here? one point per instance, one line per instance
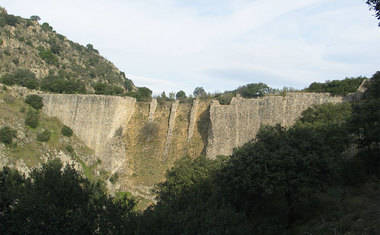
(375, 6)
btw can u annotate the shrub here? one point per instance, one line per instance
(142, 94)
(48, 56)
(149, 131)
(32, 119)
(337, 87)
(35, 101)
(22, 77)
(180, 95)
(46, 27)
(7, 134)
(58, 84)
(106, 89)
(69, 149)
(35, 18)
(66, 131)
(8, 20)
(253, 90)
(44, 136)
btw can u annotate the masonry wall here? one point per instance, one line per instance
(235, 124)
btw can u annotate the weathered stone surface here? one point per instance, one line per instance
(235, 124)
(95, 119)
(193, 116)
(173, 113)
(152, 109)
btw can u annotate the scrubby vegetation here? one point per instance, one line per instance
(44, 136)
(337, 87)
(32, 118)
(47, 60)
(7, 134)
(66, 131)
(21, 77)
(35, 101)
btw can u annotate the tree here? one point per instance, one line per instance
(22, 77)
(375, 6)
(35, 18)
(199, 92)
(277, 174)
(66, 131)
(44, 136)
(58, 200)
(7, 134)
(253, 90)
(46, 27)
(35, 101)
(32, 118)
(365, 124)
(180, 95)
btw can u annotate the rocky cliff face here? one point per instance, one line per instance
(140, 141)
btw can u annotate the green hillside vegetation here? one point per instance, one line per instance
(33, 55)
(27, 135)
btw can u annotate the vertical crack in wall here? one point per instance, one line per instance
(237, 124)
(193, 115)
(152, 109)
(169, 135)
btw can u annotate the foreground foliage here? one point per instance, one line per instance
(58, 200)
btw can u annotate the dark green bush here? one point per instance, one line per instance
(7, 134)
(22, 77)
(46, 27)
(253, 90)
(58, 84)
(6, 19)
(69, 149)
(35, 101)
(66, 131)
(180, 95)
(128, 84)
(106, 89)
(32, 119)
(44, 136)
(142, 94)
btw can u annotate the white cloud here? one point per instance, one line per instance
(177, 44)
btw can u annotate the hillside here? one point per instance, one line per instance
(33, 51)
(29, 138)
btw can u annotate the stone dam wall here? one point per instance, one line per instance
(141, 140)
(95, 119)
(233, 125)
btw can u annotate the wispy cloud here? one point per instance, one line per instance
(220, 44)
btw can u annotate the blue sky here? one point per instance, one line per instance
(220, 44)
